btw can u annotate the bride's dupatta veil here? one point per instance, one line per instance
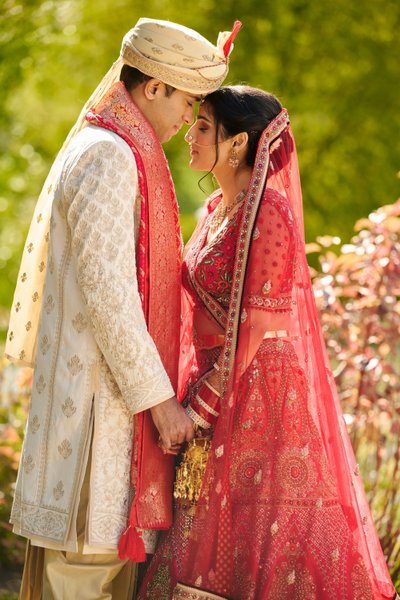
(282, 513)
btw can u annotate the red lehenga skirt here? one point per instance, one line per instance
(275, 518)
(294, 540)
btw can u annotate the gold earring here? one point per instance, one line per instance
(233, 159)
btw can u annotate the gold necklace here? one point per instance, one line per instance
(222, 211)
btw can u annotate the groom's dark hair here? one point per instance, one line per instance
(132, 77)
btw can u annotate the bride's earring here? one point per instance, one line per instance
(233, 159)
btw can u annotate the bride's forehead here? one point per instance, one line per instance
(205, 112)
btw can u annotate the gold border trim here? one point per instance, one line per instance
(191, 593)
(252, 202)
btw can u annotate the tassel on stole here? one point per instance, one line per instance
(131, 545)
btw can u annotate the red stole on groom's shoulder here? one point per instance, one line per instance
(158, 262)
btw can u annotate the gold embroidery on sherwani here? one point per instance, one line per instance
(104, 296)
(68, 408)
(58, 491)
(45, 344)
(75, 365)
(40, 385)
(28, 463)
(49, 304)
(79, 322)
(65, 449)
(34, 424)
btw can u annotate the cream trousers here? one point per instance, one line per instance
(58, 575)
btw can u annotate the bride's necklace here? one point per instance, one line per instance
(223, 210)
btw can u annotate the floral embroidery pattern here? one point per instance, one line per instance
(28, 464)
(44, 345)
(58, 491)
(49, 304)
(40, 384)
(74, 365)
(65, 449)
(68, 408)
(79, 322)
(34, 424)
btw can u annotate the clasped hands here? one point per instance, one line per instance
(173, 424)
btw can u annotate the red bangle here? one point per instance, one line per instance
(206, 404)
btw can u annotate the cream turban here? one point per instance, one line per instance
(178, 56)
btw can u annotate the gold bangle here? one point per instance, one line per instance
(197, 419)
(210, 387)
(206, 407)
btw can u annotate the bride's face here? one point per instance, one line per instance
(202, 141)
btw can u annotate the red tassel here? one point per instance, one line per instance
(227, 46)
(131, 545)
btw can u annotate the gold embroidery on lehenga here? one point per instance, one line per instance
(360, 582)
(184, 592)
(161, 584)
(292, 582)
(266, 288)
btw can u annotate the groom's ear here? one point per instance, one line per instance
(151, 88)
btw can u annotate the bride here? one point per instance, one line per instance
(268, 498)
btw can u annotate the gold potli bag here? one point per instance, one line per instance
(190, 470)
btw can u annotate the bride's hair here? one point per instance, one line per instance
(240, 108)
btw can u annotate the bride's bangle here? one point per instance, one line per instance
(205, 405)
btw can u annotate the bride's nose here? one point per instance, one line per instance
(189, 137)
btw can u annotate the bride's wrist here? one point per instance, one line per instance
(204, 407)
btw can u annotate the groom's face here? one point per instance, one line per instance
(170, 110)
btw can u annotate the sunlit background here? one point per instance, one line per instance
(336, 68)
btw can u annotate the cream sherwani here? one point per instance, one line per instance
(96, 364)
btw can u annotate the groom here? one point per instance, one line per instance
(96, 311)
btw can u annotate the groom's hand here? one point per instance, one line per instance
(173, 424)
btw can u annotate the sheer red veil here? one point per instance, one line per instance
(277, 479)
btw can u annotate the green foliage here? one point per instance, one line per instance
(358, 293)
(334, 65)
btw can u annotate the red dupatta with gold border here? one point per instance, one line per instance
(158, 263)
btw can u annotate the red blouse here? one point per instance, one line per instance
(211, 265)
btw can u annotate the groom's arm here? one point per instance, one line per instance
(100, 189)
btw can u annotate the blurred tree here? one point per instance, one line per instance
(334, 65)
